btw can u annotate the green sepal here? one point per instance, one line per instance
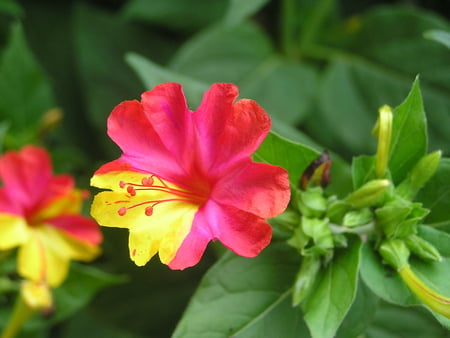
(369, 194)
(394, 252)
(311, 202)
(320, 232)
(422, 248)
(420, 174)
(337, 209)
(357, 218)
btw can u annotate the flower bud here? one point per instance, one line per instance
(419, 175)
(320, 232)
(383, 131)
(422, 248)
(394, 252)
(369, 194)
(357, 217)
(337, 209)
(305, 278)
(436, 301)
(311, 202)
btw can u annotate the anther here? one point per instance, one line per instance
(122, 184)
(122, 211)
(131, 190)
(147, 181)
(149, 211)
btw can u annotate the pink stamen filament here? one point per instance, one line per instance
(147, 185)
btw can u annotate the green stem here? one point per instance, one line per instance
(360, 230)
(21, 313)
(315, 21)
(288, 27)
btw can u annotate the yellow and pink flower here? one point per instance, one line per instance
(186, 177)
(40, 214)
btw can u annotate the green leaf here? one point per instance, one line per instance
(11, 7)
(388, 285)
(409, 135)
(105, 78)
(223, 54)
(436, 195)
(334, 294)
(152, 74)
(239, 10)
(375, 65)
(285, 89)
(291, 156)
(363, 170)
(25, 94)
(392, 321)
(245, 297)
(178, 15)
(361, 313)
(440, 36)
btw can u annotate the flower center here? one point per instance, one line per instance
(156, 184)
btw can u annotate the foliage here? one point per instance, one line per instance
(321, 69)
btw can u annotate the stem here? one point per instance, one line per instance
(288, 15)
(21, 313)
(315, 22)
(360, 230)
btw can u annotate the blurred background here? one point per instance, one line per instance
(321, 69)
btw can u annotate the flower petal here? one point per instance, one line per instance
(25, 175)
(130, 129)
(256, 188)
(79, 227)
(13, 231)
(236, 129)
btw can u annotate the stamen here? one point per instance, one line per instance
(154, 183)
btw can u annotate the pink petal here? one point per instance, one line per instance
(25, 175)
(229, 132)
(130, 129)
(193, 247)
(79, 227)
(257, 188)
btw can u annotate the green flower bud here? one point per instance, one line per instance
(394, 252)
(383, 131)
(419, 175)
(369, 194)
(299, 240)
(311, 202)
(337, 209)
(305, 279)
(340, 241)
(320, 232)
(422, 248)
(357, 217)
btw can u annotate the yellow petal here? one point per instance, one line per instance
(46, 255)
(68, 204)
(37, 295)
(112, 179)
(13, 231)
(164, 231)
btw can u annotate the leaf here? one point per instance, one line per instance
(291, 156)
(440, 36)
(240, 297)
(396, 322)
(178, 15)
(25, 93)
(152, 74)
(409, 135)
(284, 88)
(374, 66)
(363, 170)
(334, 294)
(436, 195)
(239, 10)
(360, 316)
(223, 54)
(387, 284)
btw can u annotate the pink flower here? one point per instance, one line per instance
(186, 177)
(39, 213)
